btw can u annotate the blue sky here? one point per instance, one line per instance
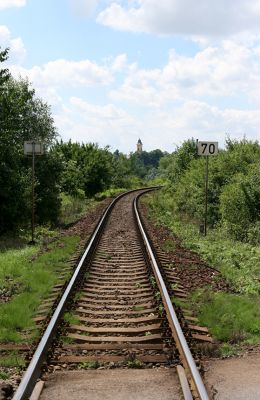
(117, 70)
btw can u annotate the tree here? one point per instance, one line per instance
(23, 116)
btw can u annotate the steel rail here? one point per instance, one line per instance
(179, 337)
(33, 371)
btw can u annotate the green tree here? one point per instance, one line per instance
(23, 116)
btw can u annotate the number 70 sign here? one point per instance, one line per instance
(207, 148)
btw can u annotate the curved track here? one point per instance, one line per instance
(119, 305)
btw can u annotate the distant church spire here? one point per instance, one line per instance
(139, 146)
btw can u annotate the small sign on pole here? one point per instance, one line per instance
(32, 148)
(207, 149)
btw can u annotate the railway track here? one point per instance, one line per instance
(120, 310)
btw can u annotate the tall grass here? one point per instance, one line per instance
(32, 277)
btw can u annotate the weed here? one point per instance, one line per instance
(148, 333)
(66, 340)
(153, 281)
(88, 365)
(138, 308)
(157, 296)
(4, 375)
(71, 318)
(160, 310)
(227, 350)
(78, 295)
(139, 285)
(135, 363)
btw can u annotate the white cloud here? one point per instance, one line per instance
(64, 73)
(11, 3)
(201, 18)
(17, 50)
(119, 63)
(226, 71)
(106, 124)
(83, 7)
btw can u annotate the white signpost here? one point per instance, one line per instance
(207, 149)
(32, 148)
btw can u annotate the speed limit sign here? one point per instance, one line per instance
(207, 148)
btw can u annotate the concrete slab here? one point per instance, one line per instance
(115, 384)
(234, 378)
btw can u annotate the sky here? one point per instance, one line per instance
(114, 71)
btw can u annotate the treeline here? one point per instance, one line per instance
(70, 169)
(234, 187)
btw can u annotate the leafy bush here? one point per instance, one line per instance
(240, 204)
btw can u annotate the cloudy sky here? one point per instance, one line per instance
(117, 70)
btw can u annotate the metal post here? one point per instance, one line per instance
(206, 195)
(33, 184)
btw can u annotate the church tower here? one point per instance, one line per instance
(139, 146)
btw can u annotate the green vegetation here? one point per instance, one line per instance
(137, 308)
(230, 317)
(31, 276)
(71, 318)
(232, 244)
(239, 262)
(135, 363)
(12, 360)
(89, 365)
(4, 375)
(73, 208)
(234, 187)
(228, 350)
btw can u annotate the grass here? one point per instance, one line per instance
(12, 360)
(33, 276)
(232, 318)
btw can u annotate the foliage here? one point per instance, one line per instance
(86, 167)
(240, 205)
(234, 186)
(73, 208)
(23, 117)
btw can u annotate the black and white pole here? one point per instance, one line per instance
(207, 149)
(33, 194)
(206, 195)
(33, 148)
